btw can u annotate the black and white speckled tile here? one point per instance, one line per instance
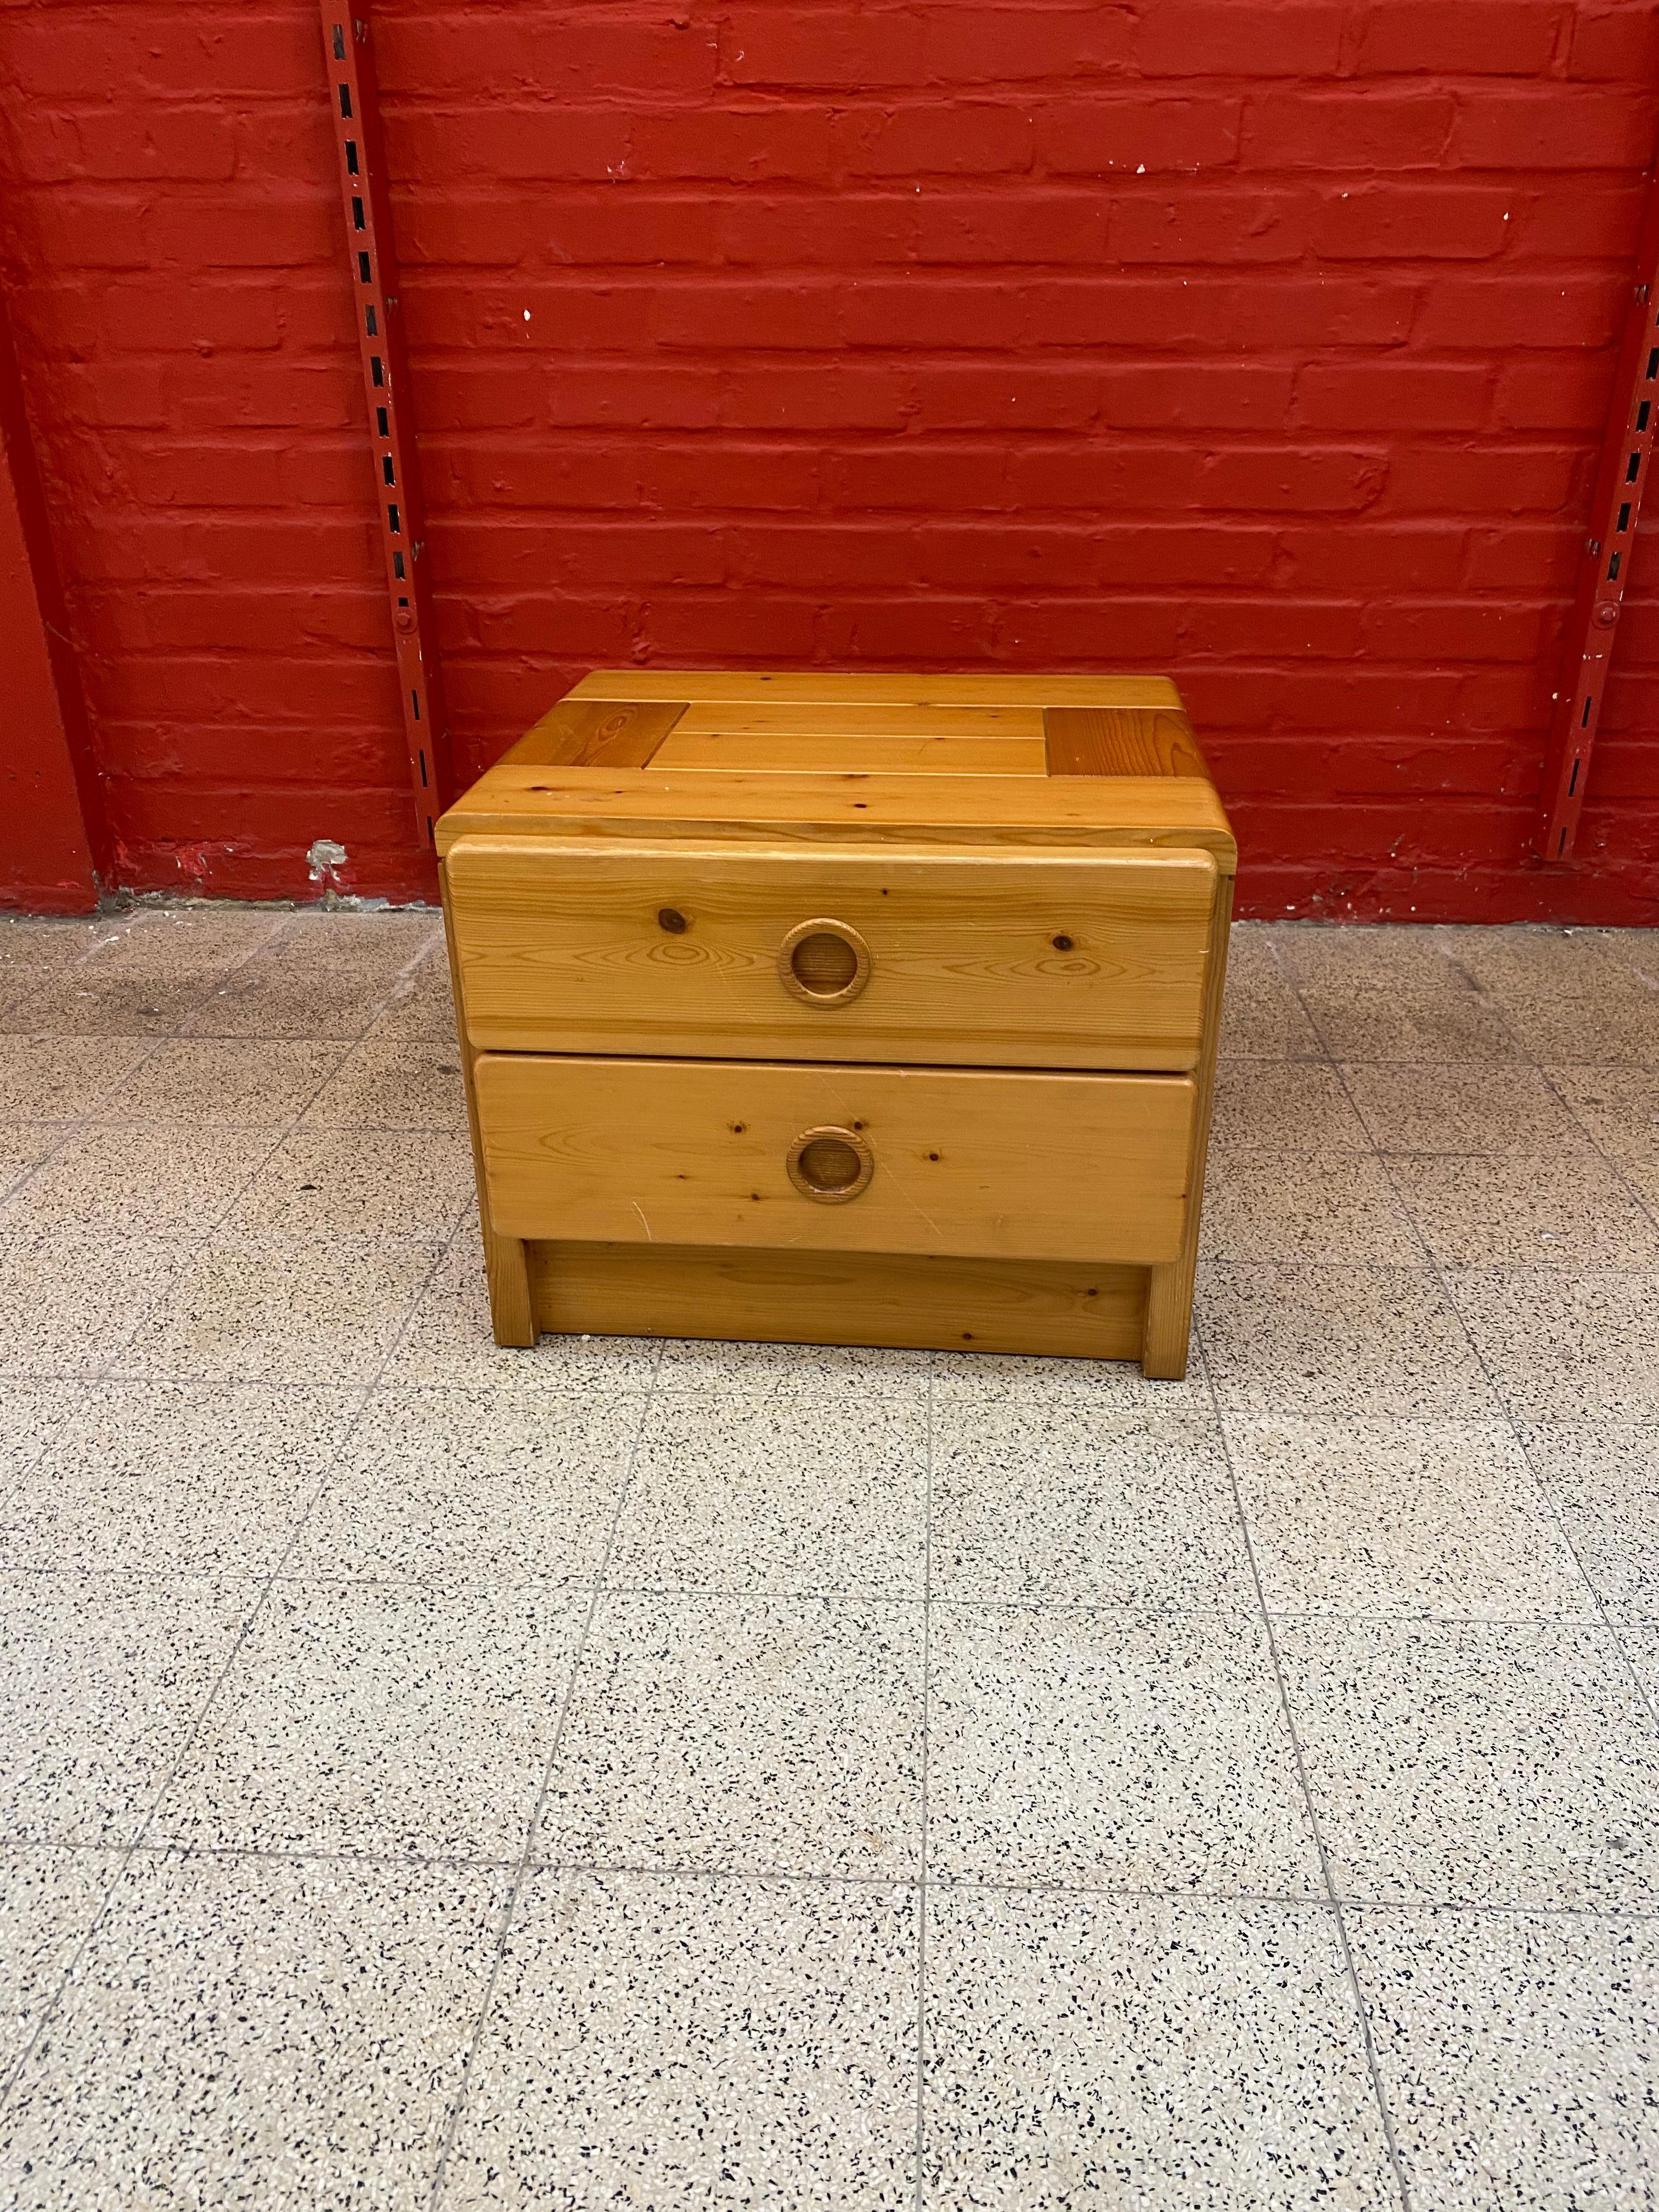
(1476, 1763)
(1324, 1207)
(1107, 1507)
(73, 1297)
(50, 1897)
(1374, 1518)
(1602, 1476)
(1261, 1016)
(32, 1413)
(260, 1310)
(257, 2032)
(1519, 2054)
(1186, 2056)
(696, 2043)
(1427, 1022)
(393, 1084)
(788, 1370)
(379, 1717)
(231, 1082)
(448, 1342)
(1350, 1342)
(165, 1179)
(743, 1736)
(102, 1678)
(1106, 1385)
(1260, 1103)
(1096, 1750)
(1618, 1108)
(785, 1494)
(175, 1478)
(1559, 1210)
(1565, 1346)
(391, 1184)
(1470, 1108)
(457, 1486)
(51, 1079)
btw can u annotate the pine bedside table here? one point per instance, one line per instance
(871, 1010)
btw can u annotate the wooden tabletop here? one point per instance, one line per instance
(961, 759)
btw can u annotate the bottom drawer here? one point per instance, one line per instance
(827, 1159)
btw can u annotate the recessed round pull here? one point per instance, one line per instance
(824, 962)
(830, 1165)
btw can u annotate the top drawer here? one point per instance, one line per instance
(1026, 959)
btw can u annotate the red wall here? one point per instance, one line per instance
(1264, 341)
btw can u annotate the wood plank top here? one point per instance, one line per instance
(987, 758)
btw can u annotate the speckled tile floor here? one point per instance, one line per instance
(433, 1776)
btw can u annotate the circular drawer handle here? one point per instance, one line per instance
(825, 963)
(830, 1165)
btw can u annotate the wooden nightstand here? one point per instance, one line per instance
(844, 1010)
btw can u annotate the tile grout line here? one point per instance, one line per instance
(1362, 2016)
(922, 1846)
(527, 1862)
(49, 2008)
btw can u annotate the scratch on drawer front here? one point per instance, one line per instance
(640, 1210)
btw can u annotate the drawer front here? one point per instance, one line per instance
(835, 1158)
(1034, 959)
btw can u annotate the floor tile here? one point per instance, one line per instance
(379, 1717)
(1369, 1023)
(1106, 1385)
(57, 1078)
(389, 1183)
(1186, 2056)
(784, 1495)
(1643, 1178)
(788, 1370)
(1518, 2054)
(1640, 1641)
(1264, 1105)
(752, 1735)
(1344, 1341)
(1097, 1508)
(458, 1486)
(1638, 949)
(1261, 1016)
(277, 996)
(176, 1478)
(245, 1310)
(247, 2032)
(1555, 1211)
(23, 1145)
(88, 1001)
(1422, 1742)
(31, 941)
(1618, 1108)
(1404, 957)
(1379, 1519)
(1319, 1207)
(101, 1680)
(72, 1297)
(1095, 1750)
(1473, 1107)
(1615, 1028)
(420, 1004)
(49, 1899)
(384, 942)
(184, 939)
(1512, 959)
(240, 1082)
(696, 2043)
(31, 1414)
(1603, 1477)
(1559, 1346)
(165, 1179)
(448, 1342)
(393, 1085)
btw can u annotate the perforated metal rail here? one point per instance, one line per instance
(1604, 569)
(373, 265)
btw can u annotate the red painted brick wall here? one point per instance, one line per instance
(1264, 341)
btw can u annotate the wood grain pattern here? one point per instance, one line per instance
(511, 1312)
(595, 734)
(786, 755)
(1121, 741)
(695, 1152)
(561, 949)
(1169, 1287)
(831, 1298)
(821, 687)
(849, 718)
(1140, 811)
